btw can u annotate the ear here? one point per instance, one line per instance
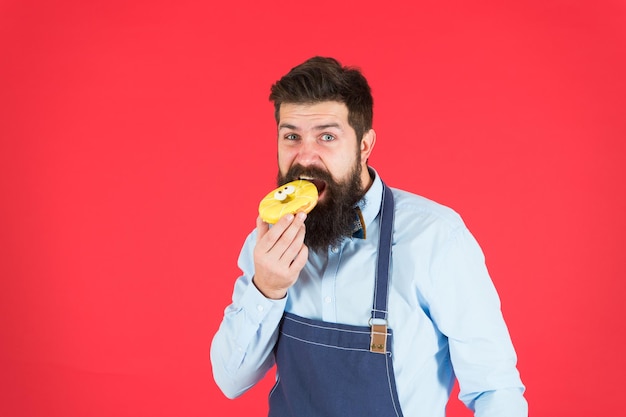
(367, 144)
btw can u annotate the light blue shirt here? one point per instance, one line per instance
(443, 309)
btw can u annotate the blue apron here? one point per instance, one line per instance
(337, 370)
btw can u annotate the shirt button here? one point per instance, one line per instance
(327, 299)
(260, 308)
(334, 249)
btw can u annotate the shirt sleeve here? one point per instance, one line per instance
(466, 308)
(242, 348)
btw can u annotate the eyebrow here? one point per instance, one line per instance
(318, 127)
(327, 126)
(286, 126)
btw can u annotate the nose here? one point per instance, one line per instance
(308, 153)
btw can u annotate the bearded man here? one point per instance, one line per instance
(376, 300)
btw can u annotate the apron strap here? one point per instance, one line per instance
(378, 322)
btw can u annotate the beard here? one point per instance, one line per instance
(332, 219)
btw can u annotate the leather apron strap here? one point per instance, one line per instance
(378, 322)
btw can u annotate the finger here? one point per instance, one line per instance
(282, 233)
(301, 259)
(291, 239)
(276, 231)
(267, 236)
(289, 247)
(262, 228)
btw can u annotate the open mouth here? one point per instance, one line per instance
(319, 184)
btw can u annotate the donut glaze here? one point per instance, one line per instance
(293, 197)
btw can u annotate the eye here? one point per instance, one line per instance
(291, 136)
(326, 137)
(281, 195)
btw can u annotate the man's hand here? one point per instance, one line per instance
(279, 254)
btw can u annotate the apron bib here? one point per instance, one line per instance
(338, 370)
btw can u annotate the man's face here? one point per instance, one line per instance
(319, 136)
(315, 142)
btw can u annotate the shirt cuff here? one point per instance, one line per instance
(259, 308)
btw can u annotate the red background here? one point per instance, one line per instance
(137, 138)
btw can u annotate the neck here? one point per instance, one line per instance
(367, 178)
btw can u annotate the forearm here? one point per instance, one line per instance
(508, 402)
(242, 348)
(485, 366)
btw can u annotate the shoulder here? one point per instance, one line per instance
(424, 224)
(412, 206)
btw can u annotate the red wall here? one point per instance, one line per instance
(136, 140)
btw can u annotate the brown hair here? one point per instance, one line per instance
(325, 79)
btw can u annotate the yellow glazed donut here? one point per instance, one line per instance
(293, 197)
